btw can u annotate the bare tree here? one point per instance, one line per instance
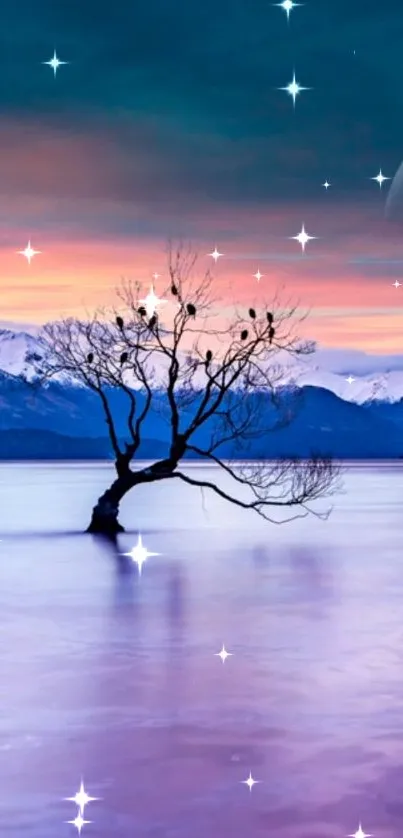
(219, 374)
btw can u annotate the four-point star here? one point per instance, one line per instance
(216, 254)
(326, 184)
(360, 833)
(258, 275)
(79, 822)
(380, 178)
(54, 63)
(293, 89)
(350, 379)
(303, 238)
(139, 554)
(81, 798)
(288, 6)
(151, 301)
(29, 252)
(396, 283)
(250, 782)
(223, 654)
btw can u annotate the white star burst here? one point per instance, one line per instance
(288, 6)
(360, 833)
(139, 554)
(223, 654)
(54, 63)
(81, 798)
(250, 782)
(350, 379)
(29, 252)
(303, 238)
(380, 178)
(151, 301)
(396, 283)
(79, 822)
(216, 254)
(326, 185)
(258, 275)
(293, 89)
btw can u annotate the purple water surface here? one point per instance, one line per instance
(112, 677)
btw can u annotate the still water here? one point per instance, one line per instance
(113, 678)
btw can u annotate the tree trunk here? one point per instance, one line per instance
(104, 519)
(105, 513)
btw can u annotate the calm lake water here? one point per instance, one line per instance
(112, 677)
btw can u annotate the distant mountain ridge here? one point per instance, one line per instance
(63, 420)
(323, 423)
(326, 368)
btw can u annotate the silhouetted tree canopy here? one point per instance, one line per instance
(173, 354)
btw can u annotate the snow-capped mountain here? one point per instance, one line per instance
(18, 350)
(349, 386)
(353, 376)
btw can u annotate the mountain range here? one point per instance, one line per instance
(350, 406)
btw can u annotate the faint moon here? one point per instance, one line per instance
(394, 201)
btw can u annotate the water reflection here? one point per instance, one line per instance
(112, 676)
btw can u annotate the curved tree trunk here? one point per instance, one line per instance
(105, 513)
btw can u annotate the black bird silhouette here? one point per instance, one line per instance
(244, 334)
(209, 355)
(119, 322)
(152, 321)
(252, 313)
(90, 357)
(141, 311)
(123, 358)
(174, 290)
(271, 334)
(269, 317)
(191, 309)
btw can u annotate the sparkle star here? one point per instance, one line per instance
(303, 238)
(326, 185)
(258, 275)
(250, 782)
(288, 6)
(216, 254)
(79, 822)
(380, 178)
(223, 654)
(156, 276)
(350, 379)
(396, 283)
(81, 798)
(151, 302)
(139, 554)
(293, 88)
(29, 252)
(54, 63)
(360, 833)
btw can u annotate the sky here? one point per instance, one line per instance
(167, 122)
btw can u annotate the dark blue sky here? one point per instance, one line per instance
(201, 78)
(168, 122)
